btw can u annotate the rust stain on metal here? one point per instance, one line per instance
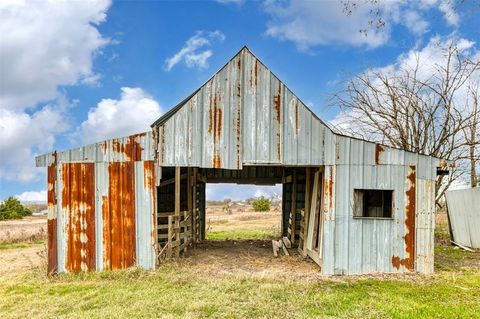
(149, 184)
(132, 149)
(277, 100)
(256, 72)
(296, 116)
(78, 199)
(238, 121)
(118, 214)
(52, 177)
(52, 217)
(330, 187)
(328, 194)
(217, 130)
(52, 246)
(149, 176)
(210, 114)
(409, 238)
(162, 142)
(378, 151)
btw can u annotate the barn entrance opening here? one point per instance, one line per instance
(186, 218)
(243, 212)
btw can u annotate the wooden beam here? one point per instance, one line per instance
(287, 179)
(306, 217)
(171, 180)
(314, 212)
(293, 213)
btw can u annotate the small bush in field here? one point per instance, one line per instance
(11, 208)
(261, 204)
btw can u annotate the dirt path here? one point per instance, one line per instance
(16, 260)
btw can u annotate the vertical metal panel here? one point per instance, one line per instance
(329, 188)
(464, 215)
(380, 245)
(145, 213)
(93, 196)
(101, 195)
(118, 214)
(52, 216)
(424, 226)
(78, 201)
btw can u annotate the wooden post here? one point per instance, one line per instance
(194, 207)
(314, 214)
(306, 216)
(169, 236)
(321, 215)
(189, 202)
(294, 206)
(177, 207)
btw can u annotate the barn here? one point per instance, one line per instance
(352, 206)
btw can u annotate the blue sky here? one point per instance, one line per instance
(78, 72)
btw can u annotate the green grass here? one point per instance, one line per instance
(181, 291)
(174, 292)
(36, 243)
(240, 234)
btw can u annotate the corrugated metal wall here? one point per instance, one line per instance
(102, 205)
(369, 245)
(244, 115)
(464, 216)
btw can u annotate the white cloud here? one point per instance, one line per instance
(33, 196)
(450, 12)
(414, 22)
(133, 113)
(22, 136)
(312, 23)
(193, 52)
(46, 44)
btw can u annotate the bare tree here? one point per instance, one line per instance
(423, 111)
(472, 132)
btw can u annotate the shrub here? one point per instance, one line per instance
(11, 208)
(261, 204)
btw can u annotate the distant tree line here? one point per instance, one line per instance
(11, 208)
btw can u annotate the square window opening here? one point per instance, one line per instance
(373, 203)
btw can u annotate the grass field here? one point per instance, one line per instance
(190, 289)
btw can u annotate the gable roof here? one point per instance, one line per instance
(243, 50)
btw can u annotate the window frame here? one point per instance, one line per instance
(392, 215)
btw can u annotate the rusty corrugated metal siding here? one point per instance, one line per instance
(97, 194)
(244, 115)
(78, 207)
(118, 217)
(363, 245)
(52, 215)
